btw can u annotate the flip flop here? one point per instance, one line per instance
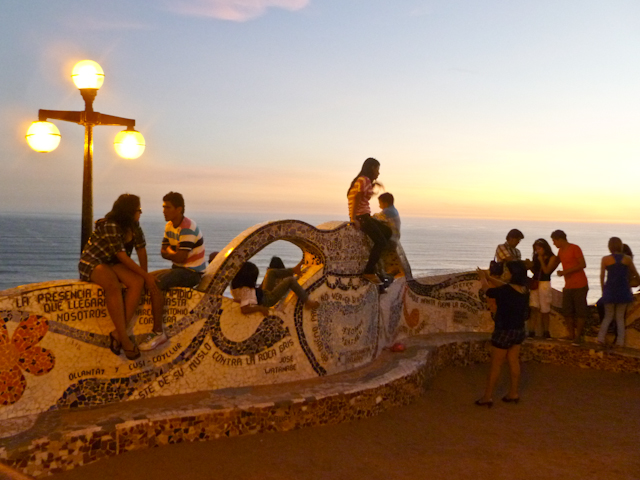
(114, 345)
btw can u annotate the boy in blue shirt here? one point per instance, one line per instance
(389, 215)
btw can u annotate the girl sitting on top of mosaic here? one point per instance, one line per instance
(105, 260)
(276, 284)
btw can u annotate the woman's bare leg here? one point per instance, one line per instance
(513, 357)
(534, 320)
(135, 286)
(105, 276)
(497, 359)
(545, 321)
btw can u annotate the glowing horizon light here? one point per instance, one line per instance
(87, 74)
(129, 144)
(43, 137)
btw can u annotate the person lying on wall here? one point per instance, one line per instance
(276, 271)
(276, 284)
(105, 260)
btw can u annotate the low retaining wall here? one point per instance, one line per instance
(54, 354)
(64, 440)
(54, 336)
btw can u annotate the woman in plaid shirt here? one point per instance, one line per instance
(105, 260)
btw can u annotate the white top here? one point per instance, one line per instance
(244, 295)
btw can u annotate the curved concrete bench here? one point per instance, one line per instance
(54, 354)
(54, 336)
(65, 439)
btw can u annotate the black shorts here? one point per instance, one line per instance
(574, 302)
(505, 339)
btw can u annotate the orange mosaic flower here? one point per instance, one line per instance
(22, 353)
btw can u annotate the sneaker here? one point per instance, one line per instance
(577, 342)
(154, 341)
(546, 335)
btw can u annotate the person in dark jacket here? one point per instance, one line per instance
(512, 301)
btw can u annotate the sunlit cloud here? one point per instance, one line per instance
(234, 10)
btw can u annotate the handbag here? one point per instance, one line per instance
(496, 269)
(634, 281)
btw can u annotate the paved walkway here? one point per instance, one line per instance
(571, 424)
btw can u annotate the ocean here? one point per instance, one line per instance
(39, 248)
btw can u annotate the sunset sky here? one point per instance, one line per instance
(523, 110)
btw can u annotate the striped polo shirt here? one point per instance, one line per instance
(186, 236)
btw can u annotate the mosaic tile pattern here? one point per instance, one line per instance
(390, 381)
(20, 353)
(212, 344)
(54, 349)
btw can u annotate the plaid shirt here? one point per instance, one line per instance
(505, 250)
(107, 240)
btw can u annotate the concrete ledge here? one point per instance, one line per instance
(62, 440)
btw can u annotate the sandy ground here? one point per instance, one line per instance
(570, 424)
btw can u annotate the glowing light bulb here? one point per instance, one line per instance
(129, 144)
(87, 74)
(43, 137)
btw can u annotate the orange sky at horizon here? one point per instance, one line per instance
(475, 110)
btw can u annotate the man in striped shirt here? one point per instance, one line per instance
(183, 244)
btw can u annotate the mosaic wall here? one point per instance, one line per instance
(396, 380)
(54, 337)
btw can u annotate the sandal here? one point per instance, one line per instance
(114, 344)
(133, 354)
(507, 399)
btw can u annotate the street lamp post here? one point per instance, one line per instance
(44, 136)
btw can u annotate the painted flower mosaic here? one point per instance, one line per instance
(21, 353)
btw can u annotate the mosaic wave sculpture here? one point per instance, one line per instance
(54, 336)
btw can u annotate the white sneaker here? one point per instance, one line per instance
(154, 341)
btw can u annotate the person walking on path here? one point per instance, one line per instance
(576, 286)
(358, 195)
(512, 301)
(616, 292)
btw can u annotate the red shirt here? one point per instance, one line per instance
(571, 256)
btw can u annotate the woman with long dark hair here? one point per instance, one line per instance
(105, 260)
(359, 193)
(616, 291)
(543, 265)
(512, 300)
